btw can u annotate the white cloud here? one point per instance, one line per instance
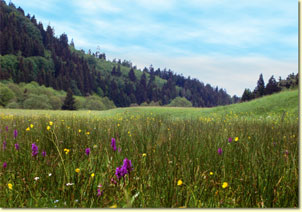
(93, 7)
(156, 5)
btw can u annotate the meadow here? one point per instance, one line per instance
(237, 156)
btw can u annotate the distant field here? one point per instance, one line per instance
(242, 155)
(276, 104)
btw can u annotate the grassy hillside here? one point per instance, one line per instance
(243, 155)
(274, 105)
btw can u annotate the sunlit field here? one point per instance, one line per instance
(151, 157)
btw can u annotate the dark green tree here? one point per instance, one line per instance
(272, 86)
(131, 75)
(247, 95)
(69, 102)
(260, 89)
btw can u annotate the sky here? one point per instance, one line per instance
(226, 43)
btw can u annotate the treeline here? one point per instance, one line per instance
(33, 96)
(31, 53)
(271, 87)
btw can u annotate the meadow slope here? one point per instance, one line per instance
(237, 156)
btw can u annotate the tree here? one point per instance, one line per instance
(260, 89)
(272, 86)
(131, 75)
(247, 95)
(69, 102)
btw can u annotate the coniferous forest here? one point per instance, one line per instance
(31, 52)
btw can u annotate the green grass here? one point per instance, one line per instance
(261, 168)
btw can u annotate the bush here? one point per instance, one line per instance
(180, 102)
(134, 105)
(94, 103)
(6, 95)
(55, 102)
(13, 105)
(108, 103)
(144, 104)
(37, 102)
(152, 103)
(79, 102)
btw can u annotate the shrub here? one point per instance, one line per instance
(180, 102)
(13, 105)
(144, 104)
(55, 102)
(37, 102)
(94, 103)
(6, 95)
(108, 103)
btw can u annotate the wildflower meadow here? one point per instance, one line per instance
(126, 158)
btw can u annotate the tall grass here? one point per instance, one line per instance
(260, 168)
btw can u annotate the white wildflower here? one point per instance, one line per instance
(69, 184)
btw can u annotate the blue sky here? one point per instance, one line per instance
(226, 43)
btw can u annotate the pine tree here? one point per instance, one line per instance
(247, 95)
(69, 102)
(260, 89)
(131, 75)
(272, 86)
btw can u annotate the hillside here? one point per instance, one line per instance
(270, 107)
(31, 52)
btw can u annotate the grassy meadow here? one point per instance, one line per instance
(243, 155)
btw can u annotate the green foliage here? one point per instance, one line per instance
(152, 103)
(94, 103)
(144, 104)
(108, 103)
(79, 102)
(69, 102)
(35, 101)
(247, 95)
(180, 102)
(55, 102)
(5, 95)
(13, 105)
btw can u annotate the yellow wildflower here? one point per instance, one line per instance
(225, 184)
(48, 127)
(77, 170)
(27, 129)
(66, 151)
(31, 126)
(113, 206)
(10, 186)
(179, 182)
(144, 154)
(236, 138)
(50, 123)
(87, 133)
(80, 130)
(211, 173)
(92, 175)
